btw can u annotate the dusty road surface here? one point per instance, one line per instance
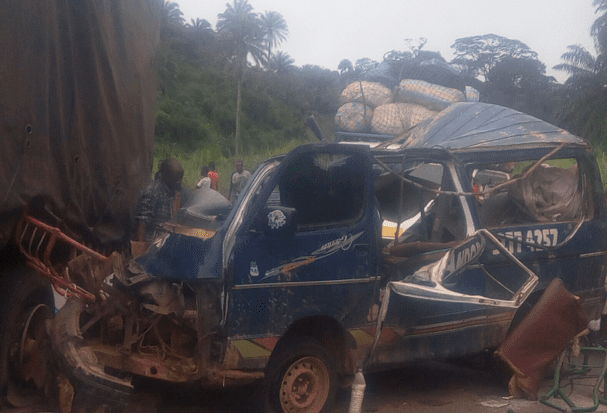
(430, 387)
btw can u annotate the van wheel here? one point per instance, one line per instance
(26, 305)
(301, 378)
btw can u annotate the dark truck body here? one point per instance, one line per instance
(296, 284)
(77, 109)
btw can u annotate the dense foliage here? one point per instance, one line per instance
(229, 92)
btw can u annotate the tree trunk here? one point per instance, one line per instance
(238, 100)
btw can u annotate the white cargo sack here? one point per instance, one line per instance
(431, 96)
(354, 117)
(472, 94)
(370, 93)
(396, 118)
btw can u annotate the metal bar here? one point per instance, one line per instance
(57, 232)
(40, 243)
(29, 247)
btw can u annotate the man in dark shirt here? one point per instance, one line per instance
(159, 200)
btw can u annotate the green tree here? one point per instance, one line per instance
(242, 35)
(364, 65)
(345, 66)
(275, 31)
(583, 108)
(477, 55)
(200, 25)
(599, 27)
(202, 36)
(583, 68)
(520, 84)
(171, 14)
(282, 63)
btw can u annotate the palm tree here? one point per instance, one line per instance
(171, 15)
(200, 29)
(171, 20)
(581, 65)
(199, 24)
(240, 29)
(282, 63)
(274, 29)
(598, 27)
(583, 110)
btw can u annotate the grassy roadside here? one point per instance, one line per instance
(601, 157)
(193, 161)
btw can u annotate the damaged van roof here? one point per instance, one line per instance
(481, 125)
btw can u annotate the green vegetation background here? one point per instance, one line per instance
(196, 107)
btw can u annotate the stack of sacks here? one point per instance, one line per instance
(428, 95)
(416, 101)
(372, 106)
(395, 118)
(358, 101)
(472, 94)
(353, 117)
(370, 93)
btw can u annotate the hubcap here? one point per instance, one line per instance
(305, 386)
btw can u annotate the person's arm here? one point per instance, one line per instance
(140, 231)
(231, 188)
(143, 214)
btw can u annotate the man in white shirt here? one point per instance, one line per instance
(239, 180)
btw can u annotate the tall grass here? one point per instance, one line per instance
(601, 157)
(194, 160)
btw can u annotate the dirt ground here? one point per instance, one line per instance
(431, 387)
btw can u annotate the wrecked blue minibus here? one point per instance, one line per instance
(296, 287)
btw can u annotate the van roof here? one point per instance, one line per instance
(465, 126)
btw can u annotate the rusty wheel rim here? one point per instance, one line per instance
(30, 358)
(305, 386)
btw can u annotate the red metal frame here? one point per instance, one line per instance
(39, 256)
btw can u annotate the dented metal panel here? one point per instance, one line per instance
(481, 125)
(301, 254)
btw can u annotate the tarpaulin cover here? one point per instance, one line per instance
(548, 194)
(77, 107)
(481, 125)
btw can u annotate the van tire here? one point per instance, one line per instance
(27, 306)
(300, 377)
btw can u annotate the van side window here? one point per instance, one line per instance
(425, 209)
(327, 190)
(549, 192)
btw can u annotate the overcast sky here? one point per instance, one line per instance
(323, 32)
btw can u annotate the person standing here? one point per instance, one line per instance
(239, 180)
(205, 181)
(159, 200)
(214, 176)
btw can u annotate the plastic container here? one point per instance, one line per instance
(358, 393)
